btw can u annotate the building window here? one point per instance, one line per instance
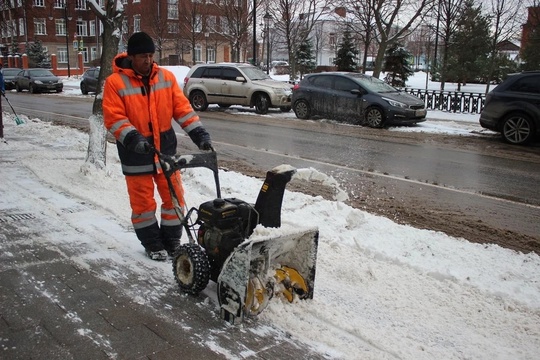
(332, 39)
(172, 28)
(136, 1)
(211, 23)
(22, 28)
(136, 23)
(172, 9)
(84, 52)
(92, 27)
(197, 53)
(198, 23)
(211, 55)
(82, 28)
(59, 4)
(93, 53)
(61, 54)
(80, 5)
(224, 25)
(60, 27)
(40, 3)
(39, 27)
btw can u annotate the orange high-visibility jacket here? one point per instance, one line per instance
(128, 106)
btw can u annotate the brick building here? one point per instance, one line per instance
(185, 31)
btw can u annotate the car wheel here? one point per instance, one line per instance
(262, 103)
(285, 109)
(517, 129)
(31, 89)
(374, 117)
(302, 110)
(198, 101)
(18, 88)
(84, 90)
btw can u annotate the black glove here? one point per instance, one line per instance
(142, 147)
(201, 138)
(206, 145)
(135, 142)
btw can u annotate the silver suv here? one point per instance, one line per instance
(229, 84)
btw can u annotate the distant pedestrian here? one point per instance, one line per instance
(140, 100)
(2, 85)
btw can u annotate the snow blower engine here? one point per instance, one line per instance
(248, 270)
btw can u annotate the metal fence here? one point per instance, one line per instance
(451, 101)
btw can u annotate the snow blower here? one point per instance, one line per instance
(249, 270)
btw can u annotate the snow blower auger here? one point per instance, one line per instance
(249, 270)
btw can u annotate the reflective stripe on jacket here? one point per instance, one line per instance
(128, 106)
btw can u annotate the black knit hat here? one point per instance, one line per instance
(140, 43)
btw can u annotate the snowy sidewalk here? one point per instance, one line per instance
(64, 297)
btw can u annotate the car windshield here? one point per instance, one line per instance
(254, 73)
(41, 73)
(11, 71)
(374, 84)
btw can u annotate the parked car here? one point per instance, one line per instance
(513, 108)
(89, 81)
(355, 98)
(229, 84)
(9, 77)
(38, 80)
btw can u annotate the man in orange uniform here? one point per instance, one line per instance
(140, 100)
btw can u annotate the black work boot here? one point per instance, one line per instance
(151, 240)
(170, 237)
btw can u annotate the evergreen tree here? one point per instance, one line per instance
(347, 54)
(38, 55)
(530, 53)
(305, 60)
(470, 46)
(396, 65)
(14, 47)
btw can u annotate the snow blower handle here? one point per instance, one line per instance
(207, 159)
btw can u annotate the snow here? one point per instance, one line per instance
(382, 290)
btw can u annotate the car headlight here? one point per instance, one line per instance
(38, 82)
(281, 91)
(396, 103)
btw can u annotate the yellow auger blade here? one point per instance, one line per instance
(257, 296)
(290, 282)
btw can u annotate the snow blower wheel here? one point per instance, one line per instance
(191, 268)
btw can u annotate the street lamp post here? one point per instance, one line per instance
(66, 19)
(206, 35)
(267, 18)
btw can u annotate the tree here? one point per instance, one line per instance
(390, 29)
(347, 54)
(38, 55)
(111, 18)
(470, 46)
(364, 25)
(448, 14)
(396, 65)
(505, 22)
(295, 20)
(305, 60)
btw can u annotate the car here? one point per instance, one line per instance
(229, 84)
(513, 108)
(9, 77)
(355, 98)
(38, 80)
(89, 81)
